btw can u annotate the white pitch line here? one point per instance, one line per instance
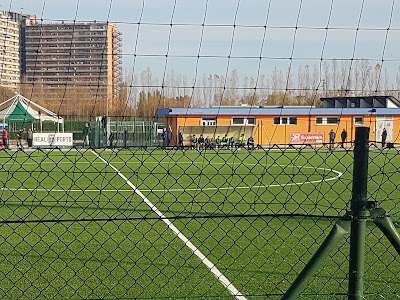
(217, 273)
(144, 163)
(339, 174)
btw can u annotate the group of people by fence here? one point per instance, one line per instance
(20, 136)
(343, 137)
(332, 136)
(199, 143)
(204, 143)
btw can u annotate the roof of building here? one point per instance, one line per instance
(360, 98)
(285, 111)
(362, 101)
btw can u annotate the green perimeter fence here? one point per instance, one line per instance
(116, 133)
(116, 130)
(152, 223)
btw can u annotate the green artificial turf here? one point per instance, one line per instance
(95, 224)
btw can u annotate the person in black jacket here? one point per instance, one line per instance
(85, 135)
(19, 139)
(201, 142)
(384, 137)
(250, 143)
(343, 136)
(180, 139)
(332, 136)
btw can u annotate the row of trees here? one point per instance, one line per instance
(77, 102)
(303, 86)
(142, 94)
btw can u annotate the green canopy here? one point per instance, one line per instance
(19, 109)
(19, 114)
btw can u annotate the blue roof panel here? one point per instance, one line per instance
(286, 111)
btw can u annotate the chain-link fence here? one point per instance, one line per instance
(156, 223)
(114, 133)
(102, 132)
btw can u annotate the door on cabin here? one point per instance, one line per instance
(384, 122)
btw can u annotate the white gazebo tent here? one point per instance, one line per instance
(21, 109)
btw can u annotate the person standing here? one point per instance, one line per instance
(104, 124)
(5, 139)
(85, 132)
(384, 137)
(29, 137)
(180, 139)
(111, 140)
(343, 136)
(332, 136)
(165, 137)
(19, 139)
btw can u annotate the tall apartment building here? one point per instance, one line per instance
(9, 52)
(8, 20)
(84, 57)
(23, 20)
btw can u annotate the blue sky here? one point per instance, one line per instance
(373, 41)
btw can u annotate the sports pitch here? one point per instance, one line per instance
(170, 224)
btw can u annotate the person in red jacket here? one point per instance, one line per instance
(5, 139)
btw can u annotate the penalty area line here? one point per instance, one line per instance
(217, 273)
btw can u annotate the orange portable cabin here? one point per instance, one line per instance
(285, 125)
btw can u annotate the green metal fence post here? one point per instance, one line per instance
(385, 224)
(359, 213)
(338, 231)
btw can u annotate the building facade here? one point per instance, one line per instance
(9, 52)
(283, 126)
(84, 57)
(22, 20)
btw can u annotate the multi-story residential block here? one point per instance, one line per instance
(84, 57)
(9, 52)
(22, 20)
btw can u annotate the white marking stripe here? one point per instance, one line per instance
(225, 281)
(83, 190)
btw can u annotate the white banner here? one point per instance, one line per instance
(52, 139)
(307, 138)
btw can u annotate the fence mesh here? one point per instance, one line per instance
(124, 215)
(167, 223)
